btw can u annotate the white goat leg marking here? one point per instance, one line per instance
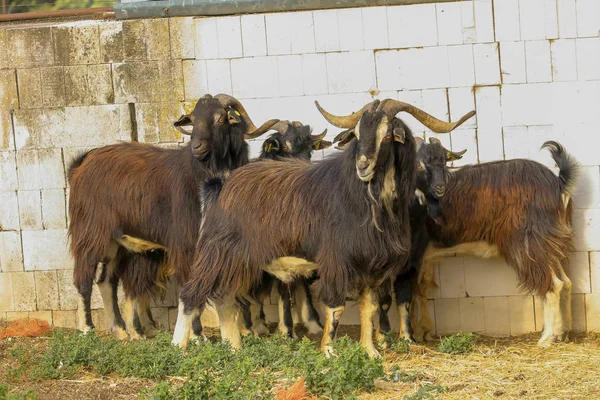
(183, 327)
(302, 303)
(83, 327)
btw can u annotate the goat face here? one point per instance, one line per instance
(432, 173)
(293, 140)
(212, 120)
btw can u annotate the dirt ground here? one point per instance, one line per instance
(508, 368)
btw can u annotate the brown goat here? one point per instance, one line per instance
(142, 197)
(515, 209)
(360, 195)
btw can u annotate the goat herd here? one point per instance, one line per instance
(364, 223)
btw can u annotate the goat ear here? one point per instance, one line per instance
(399, 135)
(270, 145)
(233, 116)
(184, 120)
(321, 144)
(454, 155)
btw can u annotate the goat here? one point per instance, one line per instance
(141, 197)
(361, 194)
(516, 209)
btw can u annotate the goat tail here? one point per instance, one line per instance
(76, 162)
(567, 165)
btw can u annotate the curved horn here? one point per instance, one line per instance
(392, 107)
(229, 101)
(348, 121)
(319, 137)
(450, 155)
(343, 135)
(180, 129)
(281, 126)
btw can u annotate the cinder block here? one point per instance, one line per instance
(167, 114)
(254, 38)
(588, 58)
(46, 288)
(23, 287)
(290, 33)
(219, 76)
(521, 315)
(99, 80)
(30, 209)
(111, 41)
(30, 87)
(506, 19)
(102, 126)
(68, 296)
(229, 35)
(76, 43)
(195, 79)
(351, 29)
(6, 296)
(64, 319)
(513, 62)
(586, 223)
(35, 128)
(15, 315)
(18, 43)
(40, 169)
(53, 209)
(516, 143)
(578, 313)
(518, 101)
(538, 61)
(435, 101)
(9, 98)
(562, 54)
(314, 74)
(461, 101)
(587, 192)
(592, 308)
(8, 171)
(472, 317)
(350, 72)
(11, 256)
(487, 64)
(538, 19)
(53, 86)
(465, 139)
(567, 19)
(146, 39)
(75, 85)
(447, 316)
(46, 250)
(290, 75)
(136, 82)
(7, 141)
(449, 23)
(579, 272)
(497, 316)
(484, 21)
(452, 277)
(375, 27)
(412, 26)
(9, 212)
(595, 271)
(326, 31)
(461, 66)
(425, 68)
(42, 316)
(161, 317)
(489, 121)
(147, 122)
(182, 37)
(388, 69)
(588, 18)
(491, 277)
(207, 44)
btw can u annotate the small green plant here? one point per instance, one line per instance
(5, 395)
(459, 343)
(426, 392)
(397, 344)
(397, 375)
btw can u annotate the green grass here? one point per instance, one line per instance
(207, 370)
(459, 343)
(4, 394)
(426, 392)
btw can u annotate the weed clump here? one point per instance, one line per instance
(5, 395)
(459, 343)
(397, 344)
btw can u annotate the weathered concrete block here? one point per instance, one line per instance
(90, 126)
(6, 297)
(9, 212)
(111, 41)
(9, 98)
(161, 317)
(147, 122)
(40, 169)
(87, 85)
(146, 39)
(46, 250)
(65, 319)
(30, 209)
(7, 141)
(195, 79)
(100, 84)
(77, 43)
(53, 209)
(76, 87)
(8, 171)
(11, 256)
(53, 86)
(182, 33)
(23, 287)
(168, 113)
(148, 82)
(26, 47)
(67, 293)
(30, 87)
(46, 288)
(37, 128)
(41, 315)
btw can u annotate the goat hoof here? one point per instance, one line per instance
(119, 333)
(328, 351)
(373, 353)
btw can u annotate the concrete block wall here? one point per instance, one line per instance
(530, 68)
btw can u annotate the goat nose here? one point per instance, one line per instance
(362, 164)
(439, 187)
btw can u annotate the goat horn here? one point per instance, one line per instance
(342, 135)
(253, 132)
(180, 129)
(454, 155)
(281, 126)
(348, 121)
(392, 107)
(319, 137)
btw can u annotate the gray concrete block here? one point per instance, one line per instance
(11, 255)
(77, 43)
(8, 171)
(9, 211)
(9, 98)
(30, 209)
(46, 250)
(30, 87)
(7, 141)
(40, 169)
(38, 128)
(53, 209)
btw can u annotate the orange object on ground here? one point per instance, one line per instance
(295, 392)
(25, 327)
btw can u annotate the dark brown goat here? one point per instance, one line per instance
(360, 195)
(515, 209)
(142, 197)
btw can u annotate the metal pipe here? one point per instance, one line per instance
(58, 13)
